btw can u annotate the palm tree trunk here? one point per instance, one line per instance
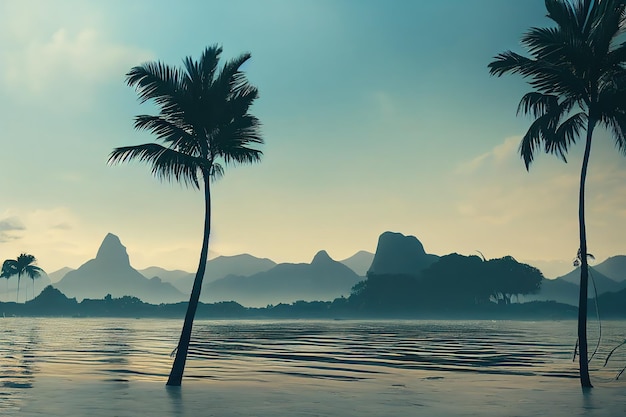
(17, 299)
(584, 266)
(176, 374)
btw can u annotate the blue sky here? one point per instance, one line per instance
(377, 116)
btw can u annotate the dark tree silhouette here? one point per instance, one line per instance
(577, 70)
(23, 265)
(204, 124)
(506, 277)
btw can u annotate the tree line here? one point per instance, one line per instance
(455, 282)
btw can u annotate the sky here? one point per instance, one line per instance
(377, 116)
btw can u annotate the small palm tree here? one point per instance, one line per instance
(7, 272)
(204, 124)
(578, 72)
(23, 265)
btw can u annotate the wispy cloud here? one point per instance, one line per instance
(8, 227)
(44, 57)
(501, 153)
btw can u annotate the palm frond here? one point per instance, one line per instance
(217, 171)
(177, 136)
(616, 57)
(33, 271)
(508, 62)
(617, 126)
(167, 164)
(208, 64)
(159, 82)
(536, 103)
(25, 259)
(9, 268)
(558, 143)
(544, 43)
(532, 140)
(563, 14)
(231, 78)
(605, 22)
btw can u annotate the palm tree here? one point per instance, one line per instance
(204, 125)
(7, 272)
(577, 70)
(23, 265)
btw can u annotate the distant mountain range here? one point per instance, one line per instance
(218, 268)
(242, 278)
(322, 279)
(254, 281)
(609, 276)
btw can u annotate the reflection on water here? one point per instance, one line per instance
(123, 350)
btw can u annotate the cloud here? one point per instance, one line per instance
(501, 153)
(7, 228)
(55, 56)
(62, 226)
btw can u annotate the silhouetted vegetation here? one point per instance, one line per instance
(578, 72)
(453, 283)
(23, 265)
(52, 303)
(205, 124)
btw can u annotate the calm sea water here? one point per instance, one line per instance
(35, 351)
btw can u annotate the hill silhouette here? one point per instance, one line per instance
(360, 262)
(614, 268)
(400, 254)
(322, 279)
(217, 268)
(110, 273)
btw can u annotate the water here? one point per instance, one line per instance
(46, 362)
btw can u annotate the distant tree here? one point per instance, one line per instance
(23, 265)
(506, 277)
(204, 124)
(386, 293)
(456, 281)
(7, 272)
(578, 72)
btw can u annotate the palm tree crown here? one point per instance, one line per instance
(578, 71)
(23, 265)
(203, 119)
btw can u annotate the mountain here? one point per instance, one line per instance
(360, 262)
(322, 279)
(110, 273)
(56, 276)
(603, 283)
(181, 280)
(565, 289)
(557, 290)
(614, 268)
(220, 267)
(400, 254)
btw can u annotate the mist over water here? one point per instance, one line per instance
(37, 352)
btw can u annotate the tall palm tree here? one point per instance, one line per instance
(577, 70)
(23, 265)
(203, 124)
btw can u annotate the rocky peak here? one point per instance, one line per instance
(112, 251)
(400, 254)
